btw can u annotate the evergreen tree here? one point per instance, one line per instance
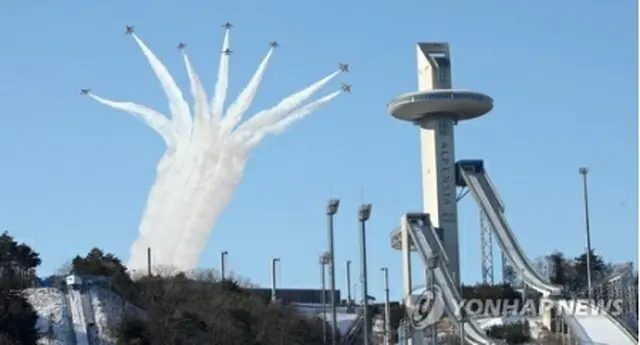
(560, 270)
(17, 271)
(598, 270)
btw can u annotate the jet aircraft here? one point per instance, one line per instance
(344, 67)
(346, 88)
(129, 30)
(227, 51)
(85, 91)
(182, 45)
(274, 44)
(227, 25)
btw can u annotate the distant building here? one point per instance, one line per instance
(298, 295)
(74, 280)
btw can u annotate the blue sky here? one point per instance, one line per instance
(563, 74)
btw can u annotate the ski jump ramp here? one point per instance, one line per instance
(416, 229)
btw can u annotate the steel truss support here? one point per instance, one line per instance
(486, 249)
(509, 274)
(621, 292)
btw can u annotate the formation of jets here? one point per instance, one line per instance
(85, 91)
(344, 67)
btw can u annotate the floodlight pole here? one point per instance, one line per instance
(463, 320)
(149, 261)
(332, 209)
(349, 281)
(433, 263)
(324, 258)
(223, 256)
(363, 216)
(387, 307)
(274, 263)
(584, 172)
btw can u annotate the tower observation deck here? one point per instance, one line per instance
(437, 108)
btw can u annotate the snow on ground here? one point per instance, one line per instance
(344, 320)
(108, 309)
(48, 303)
(535, 323)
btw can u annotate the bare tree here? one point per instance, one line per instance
(65, 269)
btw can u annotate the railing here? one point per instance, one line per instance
(440, 94)
(352, 333)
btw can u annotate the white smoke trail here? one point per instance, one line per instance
(212, 200)
(203, 164)
(155, 216)
(152, 118)
(240, 106)
(220, 93)
(281, 125)
(285, 106)
(177, 105)
(201, 108)
(161, 188)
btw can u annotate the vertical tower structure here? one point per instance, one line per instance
(437, 108)
(439, 195)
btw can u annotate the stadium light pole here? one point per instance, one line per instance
(433, 263)
(223, 256)
(332, 209)
(463, 320)
(324, 259)
(584, 171)
(363, 216)
(149, 261)
(274, 263)
(349, 282)
(387, 310)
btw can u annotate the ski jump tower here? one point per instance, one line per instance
(437, 108)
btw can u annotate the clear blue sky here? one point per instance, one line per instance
(563, 74)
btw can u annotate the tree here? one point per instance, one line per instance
(514, 333)
(182, 310)
(97, 263)
(560, 269)
(17, 263)
(17, 271)
(598, 271)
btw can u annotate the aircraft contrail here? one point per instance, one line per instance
(220, 93)
(207, 151)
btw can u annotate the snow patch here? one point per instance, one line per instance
(52, 321)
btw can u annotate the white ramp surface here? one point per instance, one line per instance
(77, 316)
(601, 329)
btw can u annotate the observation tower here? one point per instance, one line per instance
(437, 107)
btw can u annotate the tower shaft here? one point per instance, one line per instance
(438, 152)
